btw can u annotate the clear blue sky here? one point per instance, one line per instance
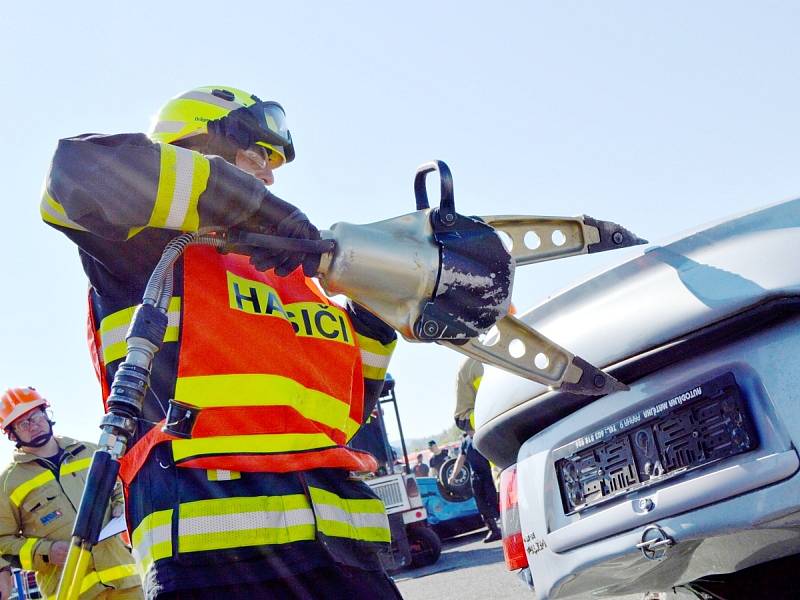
(660, 116)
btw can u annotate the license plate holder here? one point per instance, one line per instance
(680, 433)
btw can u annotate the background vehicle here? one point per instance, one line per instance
(25, 587)
(460, 489)
(449, 515)
(690, 478)
(414, 543)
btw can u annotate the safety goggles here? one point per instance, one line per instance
(26, 423)
(261, 124)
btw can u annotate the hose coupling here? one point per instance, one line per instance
(128, 390)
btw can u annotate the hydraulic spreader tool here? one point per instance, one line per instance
(434, 275)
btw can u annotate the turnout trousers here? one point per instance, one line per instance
(328, 583)
(252, 530)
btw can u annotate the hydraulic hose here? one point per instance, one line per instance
(245, 239)
(163, 270)
(128, 391)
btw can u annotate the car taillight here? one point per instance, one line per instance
(513, 546)
(411, 487)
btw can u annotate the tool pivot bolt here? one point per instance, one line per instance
(431, 328)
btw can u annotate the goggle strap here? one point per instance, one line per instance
(235, 127)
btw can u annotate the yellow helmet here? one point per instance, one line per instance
(241, 118)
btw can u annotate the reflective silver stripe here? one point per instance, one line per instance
(113, 336)
(117, 335)
(50, 214)
(184, 176)
(210, 99)
(245, 521)
(152, 539)
(142, 550)
(371, 359)
(329, 512)
(168, 126)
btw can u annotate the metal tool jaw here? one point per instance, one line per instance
(436, 275)
(514, 346)
(534, 239)
(518, 348)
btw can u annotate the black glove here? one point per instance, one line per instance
(278, 217)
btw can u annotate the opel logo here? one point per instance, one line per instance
(655, 543)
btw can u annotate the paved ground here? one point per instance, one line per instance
(467, 570)
(471, 570)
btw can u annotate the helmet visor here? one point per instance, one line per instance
(273, 132)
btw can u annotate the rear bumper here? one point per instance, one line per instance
(723, 517)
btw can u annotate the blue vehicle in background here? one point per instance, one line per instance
(451, 509)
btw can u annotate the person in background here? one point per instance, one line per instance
(482, 484)
(6, 580)
(438, 456)
(421, 469)
(41, 490)
(468, 380)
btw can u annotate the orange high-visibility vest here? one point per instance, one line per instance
(272, 368)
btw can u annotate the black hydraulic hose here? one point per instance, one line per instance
(99, 484)
(237, 239)
(128, 391)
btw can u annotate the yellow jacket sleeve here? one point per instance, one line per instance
(469, 379)
(30, 550)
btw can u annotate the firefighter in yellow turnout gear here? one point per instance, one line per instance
(41, 490)
(468, 381)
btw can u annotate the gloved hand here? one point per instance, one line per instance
(278, 217)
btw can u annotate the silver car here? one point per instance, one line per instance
(687, 484)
